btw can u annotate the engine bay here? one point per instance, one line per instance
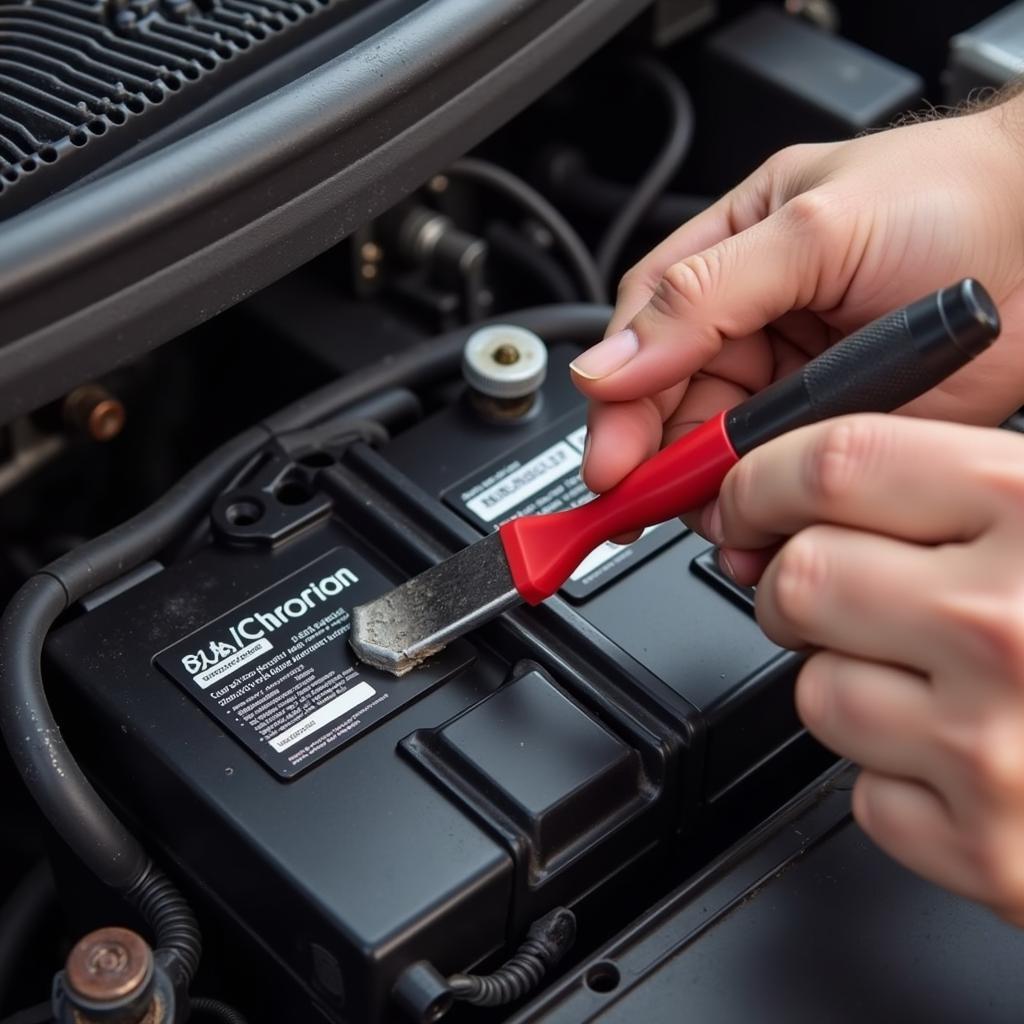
(288, 296)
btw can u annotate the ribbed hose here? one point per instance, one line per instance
(215, 1008)
(175, 929)
(547, 941)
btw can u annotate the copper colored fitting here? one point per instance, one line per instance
(94, 411)
(109, 966)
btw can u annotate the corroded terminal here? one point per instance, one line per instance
(405, 626)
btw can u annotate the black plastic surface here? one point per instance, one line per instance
(775, 79)
(84, 80)
(353, 852)
(808, 921)
(99, 275)
(546, 756)
(368, 860)
(532, 764)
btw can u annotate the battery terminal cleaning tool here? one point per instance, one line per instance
(877, 369)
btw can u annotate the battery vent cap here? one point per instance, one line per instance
(503, 361)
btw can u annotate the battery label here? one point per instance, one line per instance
(543, 476)
(278, 673)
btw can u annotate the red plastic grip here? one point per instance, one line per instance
(543, 551)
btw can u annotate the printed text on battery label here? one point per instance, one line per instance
(350, 699)
(525, 481)
(233, 661)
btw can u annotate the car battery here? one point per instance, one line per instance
(348, 825)
(660, 609)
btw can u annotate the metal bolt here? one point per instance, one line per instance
(505, 355)
(95, 412)
(371, 252)
(438, 183)
(369, 271)
(109, 966)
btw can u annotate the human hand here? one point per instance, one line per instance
(895, 547)
(816, 243)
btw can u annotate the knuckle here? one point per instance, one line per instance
(813, 213)
(686, 284)
(788, 159)
(993, 760)
(739, 490)
(1005, 479)
(801, 573)
(841, 459)
(989, 758)
(990, 626)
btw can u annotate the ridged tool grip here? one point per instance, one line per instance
(882, 366)
(877, 369)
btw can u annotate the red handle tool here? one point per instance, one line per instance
(879, 368)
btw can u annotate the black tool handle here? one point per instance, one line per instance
(877, 369)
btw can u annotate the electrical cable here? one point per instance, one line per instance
(20, 917)
(547, 941)
(532, 260)
(665, 167)
(569, 179)
(497, 178)
(215, 1008)
(53, 777)
(436, 358)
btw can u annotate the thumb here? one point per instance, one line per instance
(729, 291)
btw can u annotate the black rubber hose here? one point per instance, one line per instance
(547, 941)
(113, 553)
(20, 917)
(430, 361)
(53, 777)
(666, 165)
(571, 182)
(531, 260)
(215, 1008)
(533, 202)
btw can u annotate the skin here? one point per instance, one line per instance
(892, 547)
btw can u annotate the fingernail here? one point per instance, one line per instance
(714, 525)
(725, 565)
(607, 356)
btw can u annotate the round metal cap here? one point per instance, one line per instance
(504, 361)
(109, 965)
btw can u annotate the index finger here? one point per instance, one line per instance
(915, 480)
(734, 212)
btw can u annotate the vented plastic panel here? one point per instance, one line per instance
(82, 80)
